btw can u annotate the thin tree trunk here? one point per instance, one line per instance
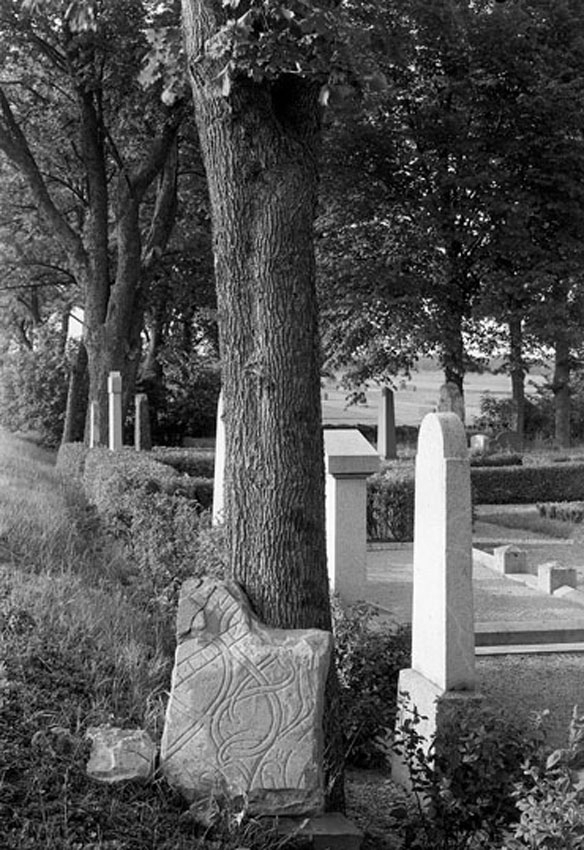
(259, 148)
(561, 391)
(517, 372)
(452, 353)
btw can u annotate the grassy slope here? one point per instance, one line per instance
(80, 644)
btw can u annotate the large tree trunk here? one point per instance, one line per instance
(517, 372)
(260, 149)
(561, 391)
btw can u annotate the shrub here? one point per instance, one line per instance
(369, 657)
(564, 511)
(111, 480)
(71, 460)
(390, 505)
(526, 484)
(192, 383)
(498, 414)
(196, 462)
(163, 541)
(464, 781)
(33, 388)
(550, 798)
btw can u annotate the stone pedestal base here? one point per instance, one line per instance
(331, 831)
(433, 704)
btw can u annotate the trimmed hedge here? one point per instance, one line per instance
(71, 459)
(526, 484)
(199, 463)
(390, 494)
(496, 460)
(390, 505)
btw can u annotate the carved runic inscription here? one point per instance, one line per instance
(245, 713)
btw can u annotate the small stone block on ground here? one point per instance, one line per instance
(551, 576)
(331, 831)
(510, 559)
(120, 755)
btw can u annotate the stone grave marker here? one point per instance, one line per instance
(349, 460)
(114, 388)
(244, 719)
(451, 400)
(386, 439)
(443, 649)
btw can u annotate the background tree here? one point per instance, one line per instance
(104, 185)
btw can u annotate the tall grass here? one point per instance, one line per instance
(81, 643)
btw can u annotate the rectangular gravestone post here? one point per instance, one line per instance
(386, 440)
(114, 388)
(443, 651)
(142, 432)
(94, 429)
(217, 514)
(349, 460)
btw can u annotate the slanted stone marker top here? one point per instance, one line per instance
(347, 452)
(442, 617)
(451, 400)
(244, 718)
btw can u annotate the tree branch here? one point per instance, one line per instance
(15, 145)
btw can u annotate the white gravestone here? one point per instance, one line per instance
(349, 460)
(114, 388)
(443, 650)
(217, 514)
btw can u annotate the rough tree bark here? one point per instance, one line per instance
(517, 371)
(260, 148)
(561, 390)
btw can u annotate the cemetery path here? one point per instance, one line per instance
(496, 598)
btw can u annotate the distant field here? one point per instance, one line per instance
(416, 398)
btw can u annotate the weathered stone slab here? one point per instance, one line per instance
(119, 755)
(244, 719)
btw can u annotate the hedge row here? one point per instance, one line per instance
(564, 511)
(390, 495)
(198, 463)
(156, 512)
(390, 506)
(526, 484)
